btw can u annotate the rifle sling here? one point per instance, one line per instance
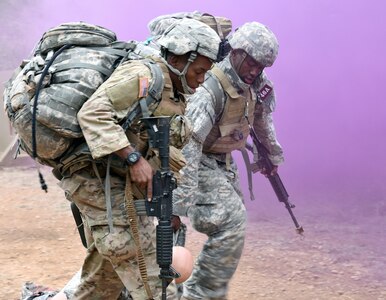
(129, 201)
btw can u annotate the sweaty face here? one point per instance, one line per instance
(249, 69)
(195, 74)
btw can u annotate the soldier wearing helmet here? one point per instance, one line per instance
(115, 162)
(221, 25)
(165, 31)
(235, 93)
(183, 45)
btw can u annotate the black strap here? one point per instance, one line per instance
(79, 223)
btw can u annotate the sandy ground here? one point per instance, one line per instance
(339, 258)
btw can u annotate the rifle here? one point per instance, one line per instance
(161, 205)
(275, 180)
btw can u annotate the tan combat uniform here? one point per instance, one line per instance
(111, 262)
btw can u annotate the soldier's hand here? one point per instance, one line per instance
(141, 173)
(265, 172)
(274, 170)
(259, 166)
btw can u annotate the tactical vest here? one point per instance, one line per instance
(231, 131)
(162, 103)
(167, 105)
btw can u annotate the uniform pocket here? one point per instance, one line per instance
(83, 188)
(69, 186)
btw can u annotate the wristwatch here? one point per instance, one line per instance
(133, 157)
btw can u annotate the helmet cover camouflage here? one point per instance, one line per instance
(258, 41)
(188, 35)
(222, 25)
(158, 25)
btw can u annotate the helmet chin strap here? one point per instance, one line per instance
(187, 89)
(182, 75)
(239, 62)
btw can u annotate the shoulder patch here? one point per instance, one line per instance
(143, 87)
(265, 91)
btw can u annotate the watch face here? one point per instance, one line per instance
(133, 157)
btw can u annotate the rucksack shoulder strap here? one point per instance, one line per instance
(118, 48)
(213, 86)
(218, 84)
(156, 87)
(154, 94)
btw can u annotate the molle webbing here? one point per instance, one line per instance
(231, 131)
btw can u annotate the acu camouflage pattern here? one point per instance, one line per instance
(206, 108)
(218, 211)
(209, 193)
(258, 41)
(263, 120)
(72, 78)
(75, 33)
(188, 35)
(221, 25)
(60, 101)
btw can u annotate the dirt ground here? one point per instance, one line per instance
(339, 258)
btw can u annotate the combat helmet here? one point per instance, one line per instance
(222, 25)
(258, 41)
(189, 36)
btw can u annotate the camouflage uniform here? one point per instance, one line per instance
(210, 193)
(111, 262)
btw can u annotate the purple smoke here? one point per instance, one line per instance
(330, 118)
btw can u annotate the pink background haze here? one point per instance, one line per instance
(329, 79)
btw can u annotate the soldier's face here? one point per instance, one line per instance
(249, 68)
(195, 75)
